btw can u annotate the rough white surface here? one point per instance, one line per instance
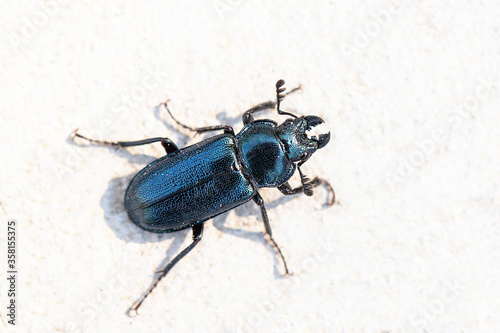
(410, 91)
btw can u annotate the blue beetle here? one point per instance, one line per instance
(188, 186)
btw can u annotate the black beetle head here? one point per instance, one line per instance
(293, 134)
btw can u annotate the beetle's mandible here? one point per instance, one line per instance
(189, 186)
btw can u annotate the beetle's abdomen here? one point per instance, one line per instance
(190, 185)
(264, 154)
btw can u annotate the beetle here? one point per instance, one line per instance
(189, 186)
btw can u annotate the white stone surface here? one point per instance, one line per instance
(410, 91)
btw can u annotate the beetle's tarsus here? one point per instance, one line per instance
(133, 308)
(286, 189)
(320, 181)
(287, 272)
(74, 134)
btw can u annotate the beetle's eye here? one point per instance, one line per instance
(289, 121)
(304, 156)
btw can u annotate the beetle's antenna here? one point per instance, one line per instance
(306, 182)
(280, 96)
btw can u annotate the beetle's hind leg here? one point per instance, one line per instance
(168, 144)
(286, 189)
(197, 235)
(225, 128)
(259, 201)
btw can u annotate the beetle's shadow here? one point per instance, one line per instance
(115, 216)
(252, 209)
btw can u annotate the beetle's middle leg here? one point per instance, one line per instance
(225, 128)
(197, 235)
(259, 201)
(286, 189)
(168, 144)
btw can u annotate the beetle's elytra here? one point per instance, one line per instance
(188, 186)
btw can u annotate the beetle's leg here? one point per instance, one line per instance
(259, 201)
(197, 234)
(226, 128)
(286, 189)
(248, 117)
(308, 185)
(168, 144)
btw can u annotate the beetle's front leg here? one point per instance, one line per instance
(286, 189)
(248, 115)
(259, 201)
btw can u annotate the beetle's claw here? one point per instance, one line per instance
(74, 134)
(131, 310)
(313, 121)
(323, 140)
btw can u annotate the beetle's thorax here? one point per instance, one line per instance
(263, 154)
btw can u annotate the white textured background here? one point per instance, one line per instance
(410, 91)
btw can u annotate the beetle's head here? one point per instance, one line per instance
(294, 135)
